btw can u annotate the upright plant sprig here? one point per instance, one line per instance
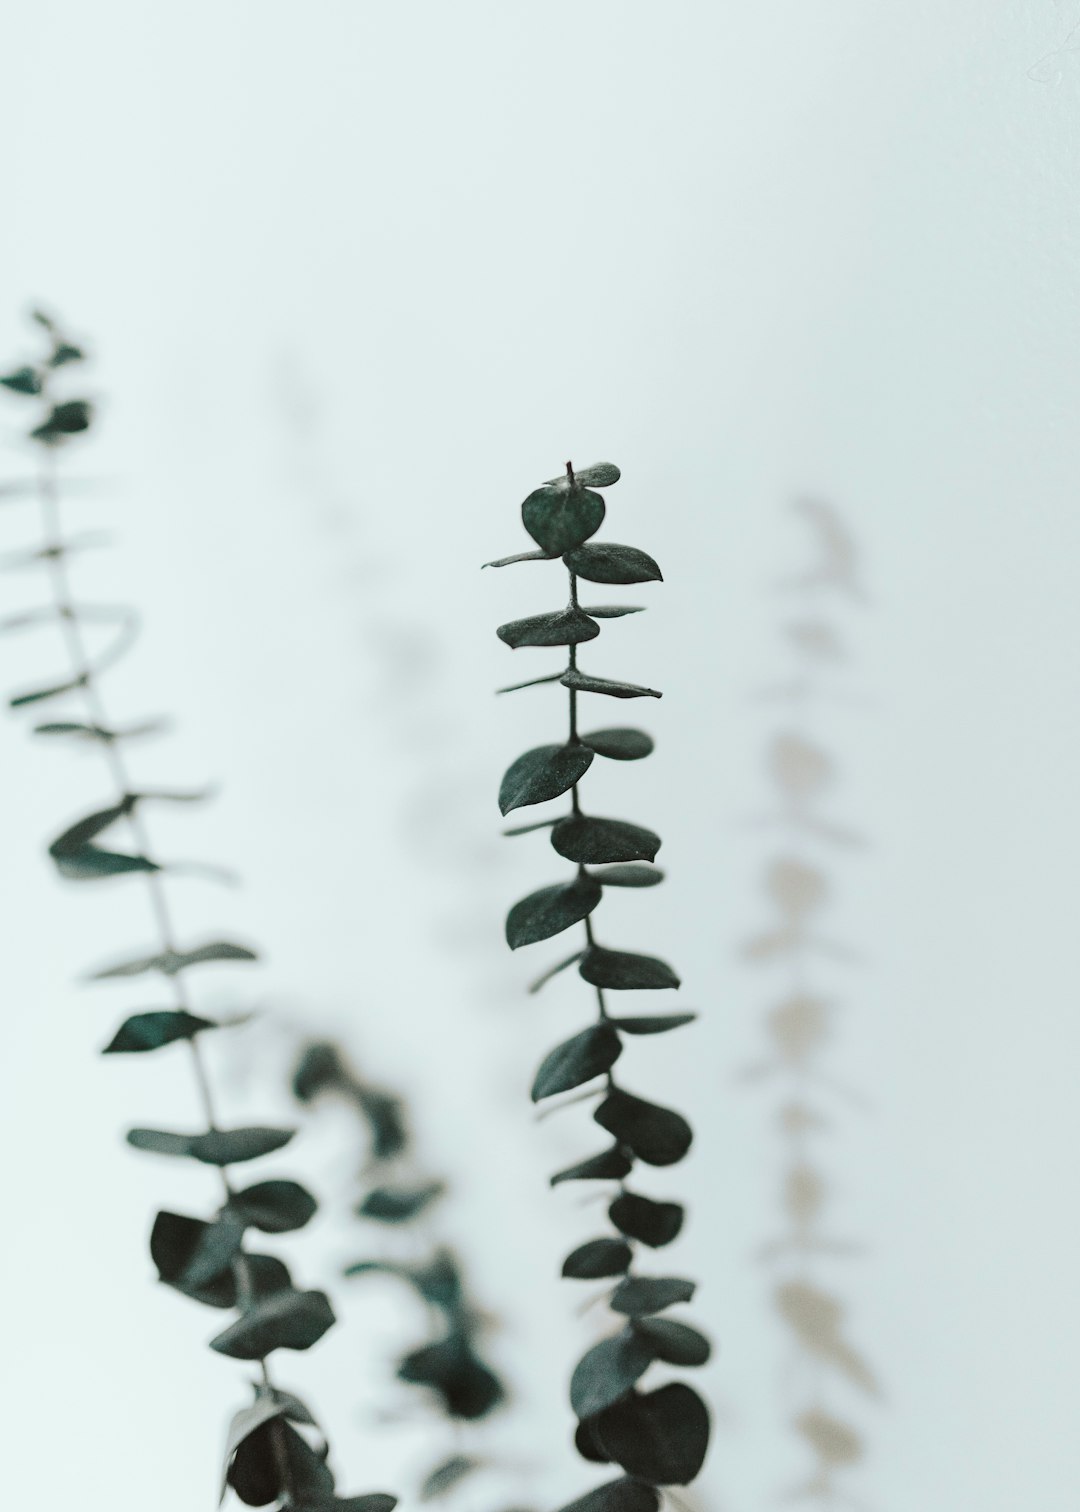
(658, 1437)
(800, 1023)
(268, 1459)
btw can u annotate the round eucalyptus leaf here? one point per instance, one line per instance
(599, 475)
(653, 1223)
(276, 1207)
(624, 971)
(399, 1204)
(24, 380)
(152, 1030)
(581, 682)
(586, 1445)
(450, 1366)
(630, 875)
(243, 1425)
(542, 773)
(598, 1258)
(674, 1343)
(617, 1496)
(218, 1147)
(609, 1165)
(653, 1023)
(450, 1473)
(559, 517)
(577, 1060)
(286, 1320)
(66, 419)
(608, 563)
(566, 627)
(551, 910)
(639, 1296)
(608, 1371)
(661, 1437)
(659, 1136)
(620, 744)
(592, 842)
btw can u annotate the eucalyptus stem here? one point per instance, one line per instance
(657, 1438)
(268, 1459)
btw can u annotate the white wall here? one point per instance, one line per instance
(744, 252)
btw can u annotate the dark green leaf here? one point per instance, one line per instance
(276, 1207)
(44, 320)
(543, 773)
(287, 1320)
(468, 1389)
(532, 682)
(661, 1437)
(559, 517)
(554, 971)
(214, 1252)
(566, 627)
(639, 1296)
(319, 1068)
(611, 611)
(176, 1240)
(629, 875)
(374, 1501)
(243, 1425)
(65, 420)
(609, 1165)
(617, 1496)
(77, 858)
(149, 1031)
(523, 556)
(590, 1053)
(65, 352)
(98, 732)
(24, 380)
(657, 1023)
(623, 971)
(608, 1371)
(219, 1147)
(591, 841)
(581, 682)
(528, 829)
(659, 1136)
(258, 1476)
(551, 910)
(599, 475)
(600, 1257)
(620, 744)
(608, 563)
(586, 1445)
(169, 962)
(654, 1223)
(39, 695)
(674, 1343)
(447, 1475)
(399, 1204)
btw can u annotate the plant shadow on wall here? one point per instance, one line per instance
(825, 1364)
(274, 1453)
(659, 1437)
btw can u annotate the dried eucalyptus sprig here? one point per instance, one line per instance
(274, 1451)
(399, 1194)
(658, 1437)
